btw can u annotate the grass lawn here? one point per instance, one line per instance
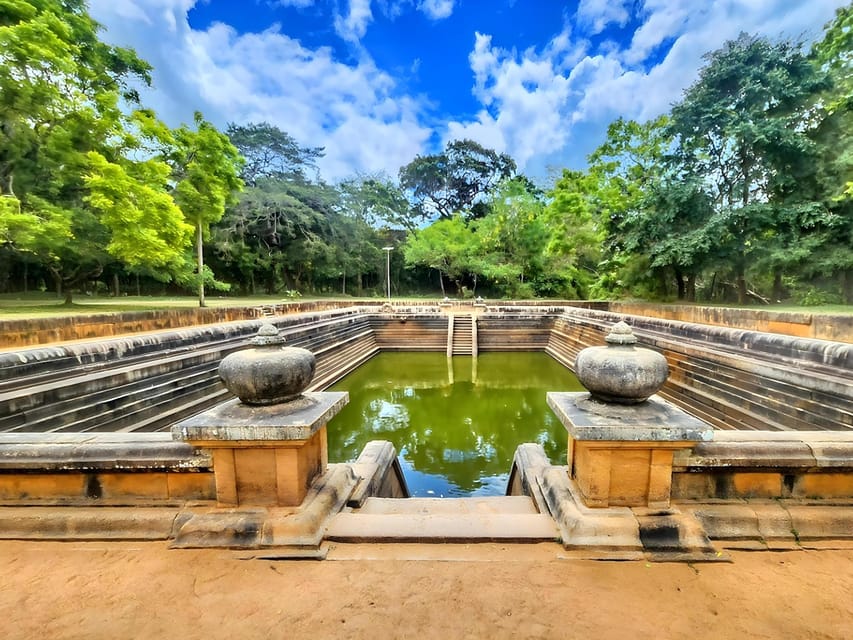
(37, 305)
(45, 305)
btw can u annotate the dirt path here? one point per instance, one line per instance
(144, 590)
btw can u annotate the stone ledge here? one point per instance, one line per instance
(651, 421)
(90, 523)
(378, 472)
(299, 529)
(102, 451)
(770, 450)
(792, 521)
(233, 421)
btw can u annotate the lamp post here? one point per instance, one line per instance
(387, 251)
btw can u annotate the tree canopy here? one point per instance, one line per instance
(742, 192)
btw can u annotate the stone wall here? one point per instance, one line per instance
(35, 331)
(766, 465)
(22, 333)
(733, 379)
(838, 328)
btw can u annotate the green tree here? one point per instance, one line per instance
(378, 201)
(606, 208)
(512, 239)
(456, 180)
(741, 128)
(576, 232)
(448, 246)
(65, 140)
(270, 152)
(832, 255)
(206, 173)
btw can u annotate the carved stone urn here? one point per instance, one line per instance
(267, 373)
(621, 373)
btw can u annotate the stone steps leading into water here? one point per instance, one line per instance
(499, 518)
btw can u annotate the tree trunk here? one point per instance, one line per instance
(343, 283)
(777, 286)
(740, 281)
(26, 272)
(138, 288)
(116, 287)
(847, 285)
(679, 283)
(691, 287)
(441, 282)
(200, 260)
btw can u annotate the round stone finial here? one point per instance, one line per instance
(620, 333)
(268, 334)
(620, 372)
(267, 372)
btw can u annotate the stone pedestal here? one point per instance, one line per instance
(264, 455)
(621, 455)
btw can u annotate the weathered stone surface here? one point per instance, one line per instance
(291, 531)
(235, 421)
(655, 420)
(88, 523)
(379, 473)
(620, 372)
(268, 373)
(98, 451)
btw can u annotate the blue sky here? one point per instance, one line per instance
(377, 82)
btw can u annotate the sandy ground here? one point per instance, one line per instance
(144, 590)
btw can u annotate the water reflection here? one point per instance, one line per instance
(455, 422)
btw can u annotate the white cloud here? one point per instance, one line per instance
(354, 111)
(555, 105)
(598, 14)
(550, 103)
(353, 26)
(525, 96)
(437, 9)
(299, 4)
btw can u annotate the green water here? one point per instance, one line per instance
(454, 422)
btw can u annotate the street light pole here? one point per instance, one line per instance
(387, 251)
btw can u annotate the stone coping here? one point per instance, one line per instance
(772, 347)
(805, 450)
(290, 421)
(89, 451)
(654, 420)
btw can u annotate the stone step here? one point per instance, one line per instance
(448, 506)
(504, 518)
(493, 527)
(110, 400)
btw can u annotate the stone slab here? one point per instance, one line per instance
(86, 451)
(442, 527)
(521, 505)
(89, 523)
(234, 421)
(745, 455)
(655, 420)
(296, 528)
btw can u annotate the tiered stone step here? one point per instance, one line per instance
(419, 332)
(507, 519)
(146, 383)
(513, 332)
(727, 387)
(461, 339)
(114, 397)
